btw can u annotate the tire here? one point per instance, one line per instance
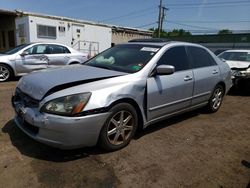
(215, 100)
(5, 73)
(114, 135)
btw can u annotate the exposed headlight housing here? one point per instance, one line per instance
(68, 105)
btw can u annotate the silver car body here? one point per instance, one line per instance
(153, 97)
(23, 64)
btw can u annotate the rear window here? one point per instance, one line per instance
(236, 56)
(200, 57)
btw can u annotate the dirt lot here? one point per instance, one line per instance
(192, 150)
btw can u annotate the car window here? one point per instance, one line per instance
(128, 58)
(235, 56)
(16, 49)
(200, 57)
(57, 49)
(176, 57)
(37, 49)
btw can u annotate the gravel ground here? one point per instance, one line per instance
(192, 150)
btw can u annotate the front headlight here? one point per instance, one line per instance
(67, 105)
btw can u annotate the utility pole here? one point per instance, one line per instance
(160, 20)
(162, 10)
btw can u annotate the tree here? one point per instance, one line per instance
(224, 31)
(174, 32)
(179, 32)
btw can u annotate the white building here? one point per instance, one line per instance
(17, 27)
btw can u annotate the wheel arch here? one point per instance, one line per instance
(133, 103)
(74, 62)
(10, 67)
(221, 83)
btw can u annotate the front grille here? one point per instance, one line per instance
(28, 127)
(25, 99)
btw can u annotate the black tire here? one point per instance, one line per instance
(215, 100)
(115, 135)
(5, 73)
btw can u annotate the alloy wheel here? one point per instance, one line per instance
(217, 98)
(4, 73)
(120, 127)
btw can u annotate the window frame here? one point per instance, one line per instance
(64, 48)
(35, 46)
(191, 60)
(46, 31)
(187, 57)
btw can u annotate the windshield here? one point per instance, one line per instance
(16, 49)
(128, 58)
(236, 56)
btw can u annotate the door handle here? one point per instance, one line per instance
(215, 72)
(187, 78)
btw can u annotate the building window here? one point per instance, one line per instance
(61, 29)
(44, 31)
(21, 30)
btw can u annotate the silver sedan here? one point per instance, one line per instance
(36, 56)
(109, 97)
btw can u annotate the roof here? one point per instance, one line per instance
(239, 50)
(7, 12)
(151, 40)
(114, 27)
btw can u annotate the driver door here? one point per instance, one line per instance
(33, 58)
(167, 94)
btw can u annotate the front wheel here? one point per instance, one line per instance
(119, 128)
(216, 99)
(5, 73)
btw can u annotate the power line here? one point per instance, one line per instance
(187, 25)
(209, 21)
(146, 25)
(127, 15)
(137, 16)
(208, 3)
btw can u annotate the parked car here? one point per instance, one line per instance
(26, 58)
(128, 86)
(219, 51)
(239, 62)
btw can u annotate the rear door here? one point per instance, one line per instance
(35, 59)
(206, 73)
(170, 93)
(58, 55)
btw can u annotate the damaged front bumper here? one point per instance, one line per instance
(59, 131)
(240, 74)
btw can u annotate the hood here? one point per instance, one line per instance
(42, 83)
(238, 64)
(4, 57)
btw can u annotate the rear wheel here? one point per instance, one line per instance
(216, 99)
(119, 128)
(5, 73)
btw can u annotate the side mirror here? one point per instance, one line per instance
(24, 53)
(165, 70)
